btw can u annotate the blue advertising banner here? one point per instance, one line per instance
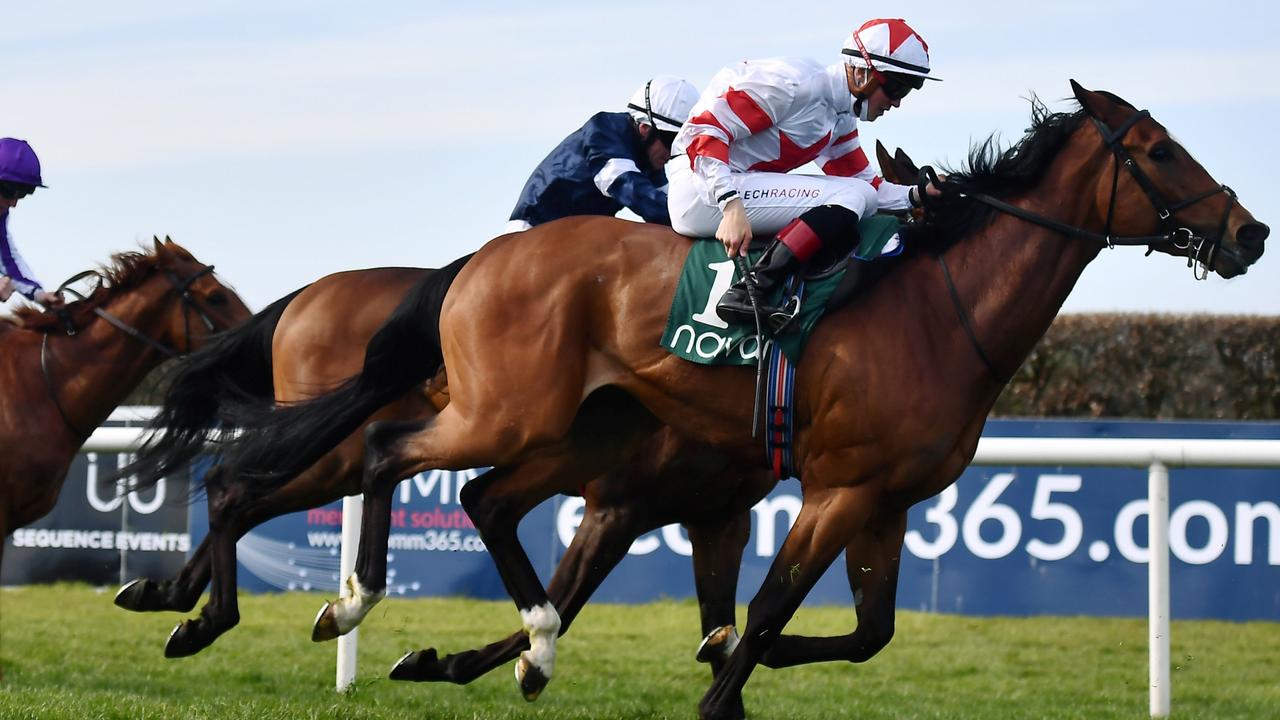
(1002, 540)
(98, 534)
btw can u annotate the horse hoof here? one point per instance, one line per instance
(184, 641)
(417, 666)
(132, 595)
(718, 644)
(531, 680)
(326, 626)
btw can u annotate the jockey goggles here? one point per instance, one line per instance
(15, 191)
(897, 86)
(665, 137)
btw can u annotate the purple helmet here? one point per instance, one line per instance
(18, 163)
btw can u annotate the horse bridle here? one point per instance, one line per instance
(1180, 237)
(180, 284)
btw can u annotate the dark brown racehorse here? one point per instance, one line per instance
(892, 392)
(55, 388)
(313, 339)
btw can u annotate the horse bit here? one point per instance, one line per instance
(1182, 238)
(182, 285)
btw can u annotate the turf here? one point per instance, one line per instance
(67, 652)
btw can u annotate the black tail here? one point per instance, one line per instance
(234, 367)
(275, 445)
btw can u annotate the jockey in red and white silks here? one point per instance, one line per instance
(759, 120)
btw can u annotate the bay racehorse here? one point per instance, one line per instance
(56, 388)
(313, 339)
(548, 358)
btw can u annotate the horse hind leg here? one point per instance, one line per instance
(395, 450)
(600, 543)
(367, 585)
(484, 499)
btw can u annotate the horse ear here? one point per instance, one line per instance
(1098, 105)
(159, 248)
(906, 163)
(896, 168)
(887, 167)
(168, 240)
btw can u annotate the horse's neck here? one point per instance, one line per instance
(1013, 276)
(95, 370)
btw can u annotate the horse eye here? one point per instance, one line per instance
(217, 299)
(1160, 153)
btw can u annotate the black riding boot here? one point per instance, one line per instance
(824, 231)
(770, 270)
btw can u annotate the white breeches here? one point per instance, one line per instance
(772, 199)
(515, 226)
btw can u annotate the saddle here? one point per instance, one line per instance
(694, 332)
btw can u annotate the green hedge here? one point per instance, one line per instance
(1151, 366)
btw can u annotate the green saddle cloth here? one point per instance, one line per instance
(696, 333)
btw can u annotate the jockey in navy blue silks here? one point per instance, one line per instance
(19, 177)
(613, 161)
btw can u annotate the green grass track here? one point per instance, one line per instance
(67, 652)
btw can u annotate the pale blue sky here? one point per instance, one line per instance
(285, 142)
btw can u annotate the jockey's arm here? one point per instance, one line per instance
(638, 194)
(846, 158)
(15, 269)
(618, 176)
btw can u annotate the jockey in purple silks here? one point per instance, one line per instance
(19, 177)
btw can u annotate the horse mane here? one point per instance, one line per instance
(126, 271)
(995, 172)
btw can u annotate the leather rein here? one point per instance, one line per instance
(182, 285)
(1180, 237)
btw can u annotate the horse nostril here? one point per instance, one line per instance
(1252, 235)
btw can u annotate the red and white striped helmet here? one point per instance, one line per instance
(889, 45)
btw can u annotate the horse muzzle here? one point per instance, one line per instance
(1232, 259)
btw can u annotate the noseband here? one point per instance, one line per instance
(1180, 237)
(181, 285)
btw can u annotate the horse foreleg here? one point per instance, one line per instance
(230, 517)
(717, 558)
(179, 593)
(827, 519)
(222, 612)
(872, 560)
